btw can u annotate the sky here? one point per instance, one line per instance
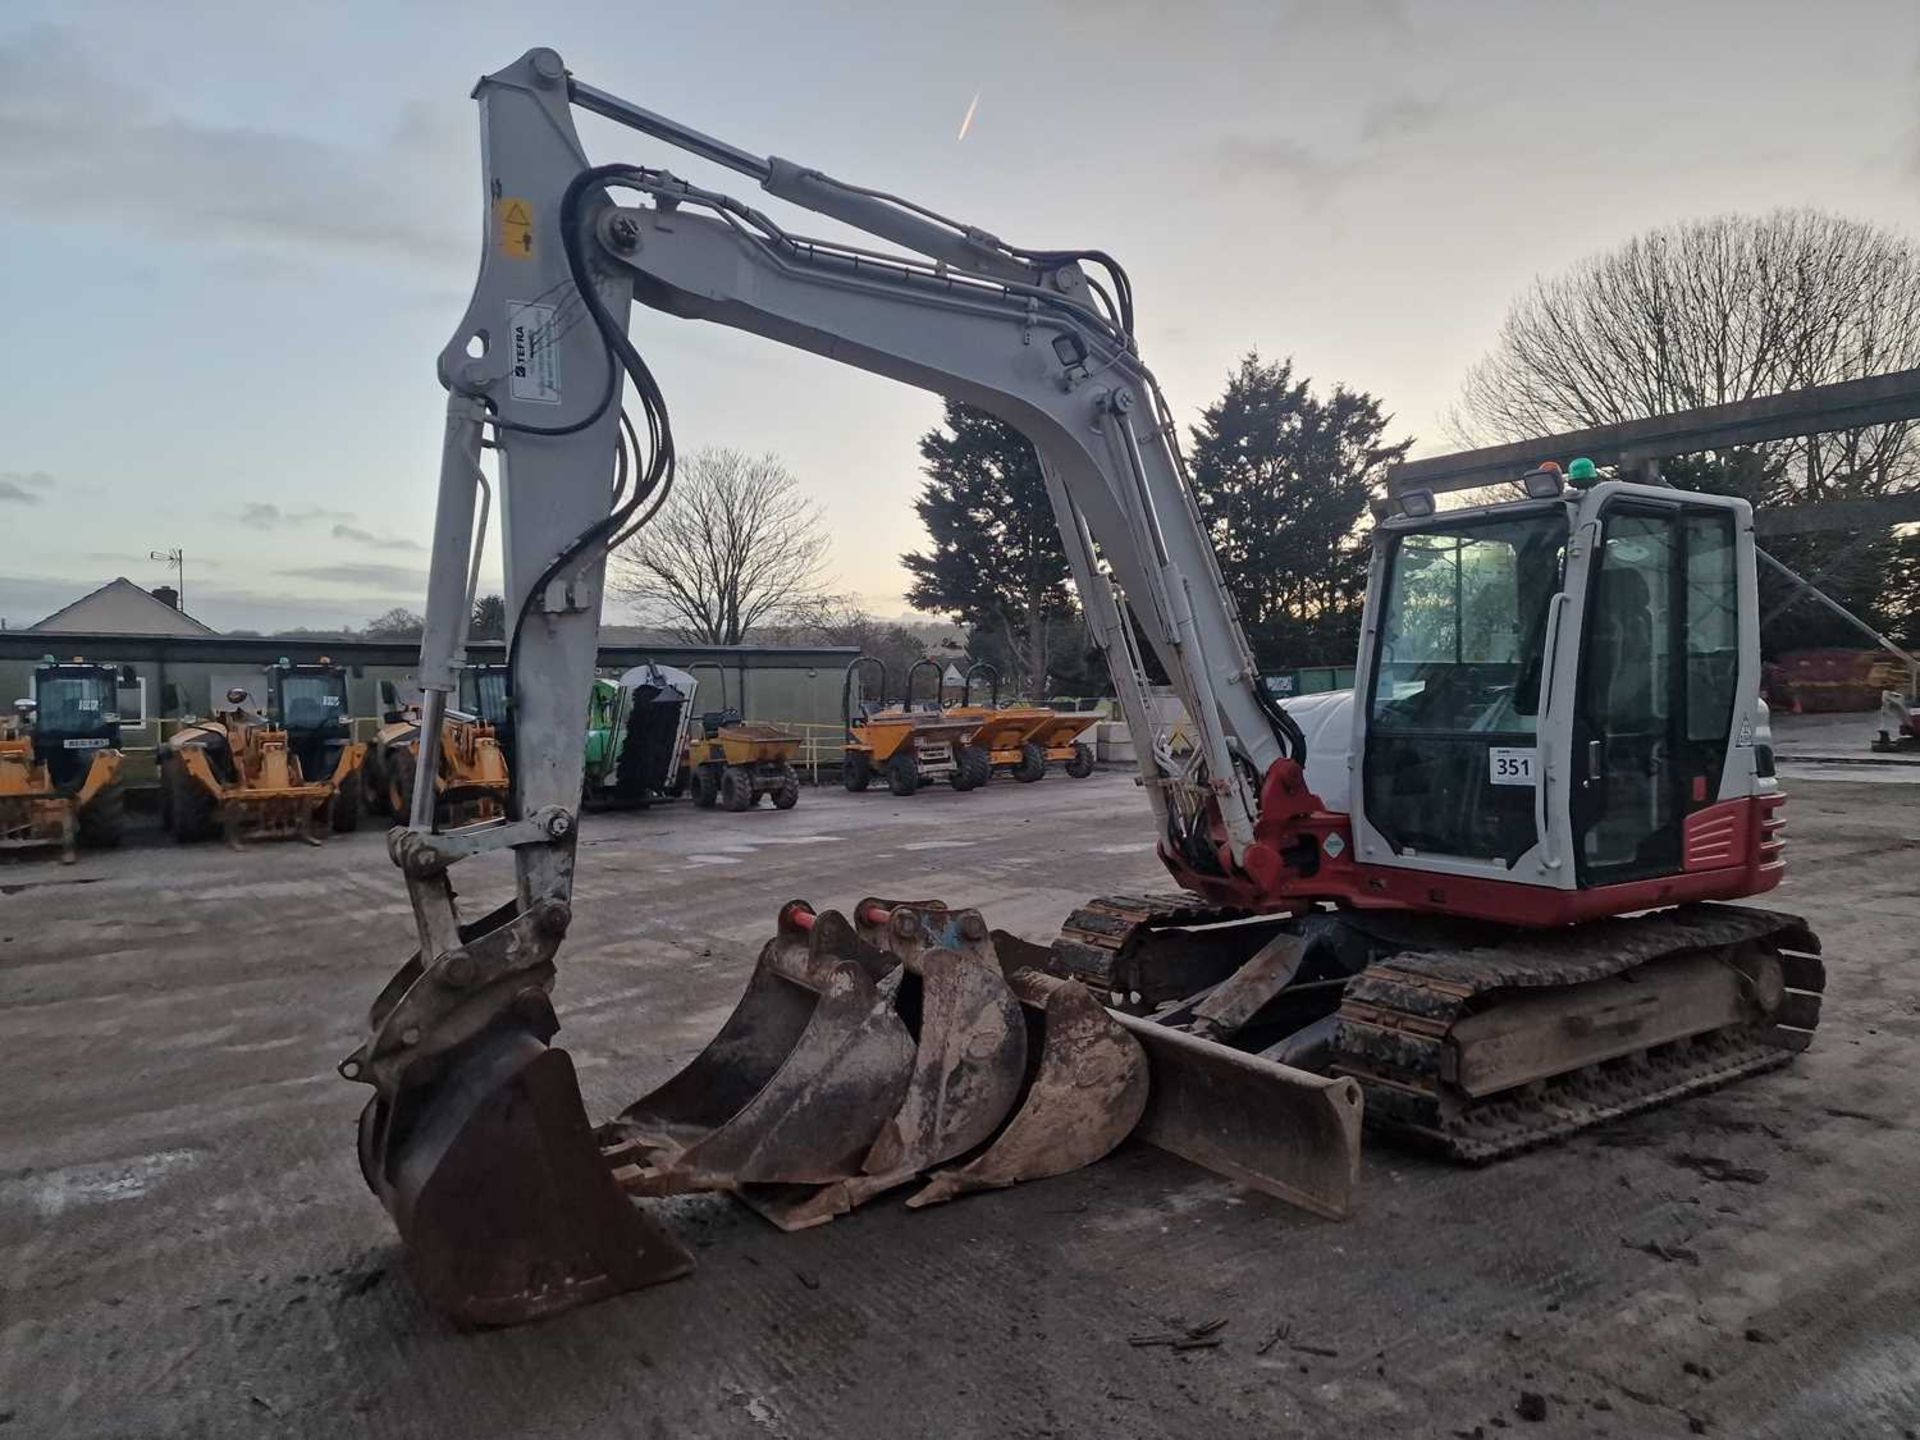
(236, 235)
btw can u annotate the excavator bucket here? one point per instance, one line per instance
(483, 1153)
(795, 1087)
(499, 1193)
(969, 1060)
(864, 1055)
(1085, 1097)
(1284, 1131)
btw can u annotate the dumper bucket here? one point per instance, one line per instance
(795, 1087)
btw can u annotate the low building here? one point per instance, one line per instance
(121, 607)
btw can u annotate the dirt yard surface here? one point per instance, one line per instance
(186, 1247)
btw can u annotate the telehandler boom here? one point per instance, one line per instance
(1416, 890)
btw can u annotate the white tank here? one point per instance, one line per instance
(1326, 719)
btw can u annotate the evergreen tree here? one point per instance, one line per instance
(995, 563)
(1282, 478)
(489, 618)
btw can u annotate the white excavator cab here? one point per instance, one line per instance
(1560, 693)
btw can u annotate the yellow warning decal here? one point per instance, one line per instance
(515, 218)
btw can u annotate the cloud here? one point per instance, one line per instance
(399, 577)
(258, 515)
(378, 542)
(1240, 158)
(1399, 119)
(84, 145)
(18, 487)
(1319, 174)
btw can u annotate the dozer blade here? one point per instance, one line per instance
(795, 1087)
(1286, 1132)
(503, 1204)
(1282, 1131)
(1086, 1094)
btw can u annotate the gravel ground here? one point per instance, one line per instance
(186, 1248)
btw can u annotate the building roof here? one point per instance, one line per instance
(120, 607)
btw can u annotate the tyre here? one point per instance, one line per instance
(189, 806)
(972, 768)
(345, 814)
(1033, 764)
(706, 787)
(856, 770)
(1081, 765)
(375, 797)
(736, 788)
(103, 824)
(978, 765)
(903, 774)
(400, 810)
(787, 794)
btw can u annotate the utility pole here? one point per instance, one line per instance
(178, 560)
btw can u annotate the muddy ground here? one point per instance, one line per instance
(186, 1248)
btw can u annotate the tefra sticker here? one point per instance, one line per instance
(535, 372)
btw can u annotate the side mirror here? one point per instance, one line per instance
(236, 695)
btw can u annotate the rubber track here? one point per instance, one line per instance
(1396, 1016)
(1095, 939)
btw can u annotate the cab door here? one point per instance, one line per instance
(1658, 669)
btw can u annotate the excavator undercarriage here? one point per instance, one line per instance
(1470, 1039)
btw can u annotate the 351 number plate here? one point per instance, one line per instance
(1510, 766)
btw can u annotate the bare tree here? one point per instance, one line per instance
(1709, 312)
(736, 546)
(1722, 310)
(398, 623)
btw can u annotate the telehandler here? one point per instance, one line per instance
(281, 772)
(60, 762)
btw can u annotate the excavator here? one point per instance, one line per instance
(1478, 901)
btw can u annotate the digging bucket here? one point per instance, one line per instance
(795, 1087)
(503, 1203)
(969, 1062)
(1287, 1132)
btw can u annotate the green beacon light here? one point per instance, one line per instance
(1582, 473)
